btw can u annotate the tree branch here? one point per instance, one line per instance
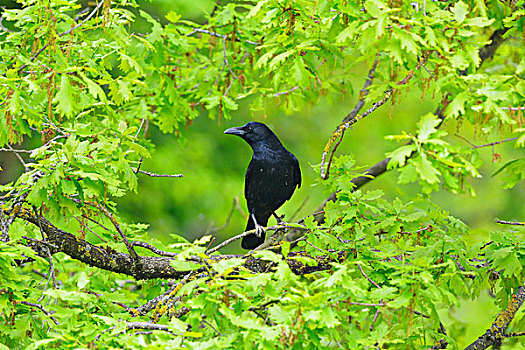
(158, 175)
(381, 167)
(496, 332)
(510, 223)
(148, 267)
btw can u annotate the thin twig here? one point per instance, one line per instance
(158, 175)
(375, 317)
(45, 243)
(277, 236)
(140, 128)
(514, 334)
(496, 143)
(90, 230)
(95, 221)
(365, 275)
(244, 234)
(152, 248)
(286, 92)
(360, 103)
(466, 140)
(204, 31)
(313, 246)
(496, 332)
(148, 325)
(85, 19)
(19, 157)
(514, 108)
(226, 57)
(423, 64)
(510, 223)
(41, 308)
(219, 333)
(352, 118)
(50, 257)
(151, 304)
(367, 304)
(228, 218)
(230, 240)
(11, 149)
(292, 217)
(377, 285)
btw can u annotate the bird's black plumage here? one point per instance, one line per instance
(271, 178)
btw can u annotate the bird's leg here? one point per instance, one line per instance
(280, 220)
(259, 230)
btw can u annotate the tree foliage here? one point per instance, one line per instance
(362, 272)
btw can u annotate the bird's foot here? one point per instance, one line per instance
(280, 220)
(260, 231)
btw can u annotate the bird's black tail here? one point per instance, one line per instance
(253, 241)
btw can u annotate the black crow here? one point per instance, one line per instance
(270, 180)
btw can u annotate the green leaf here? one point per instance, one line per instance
(177, 326)
(460, 11)
(329, 319)
(348, 33)
(245, 320)
(227, 264)
(181, 265)
(280, 58)
(127, 63)
(82, 280)
(425, 169)
(70, 296)
(122, 126)
(480, 21)
(506, 259)
(459, 61)
(263, 60)
(383, 293)
(401, 300)
(267, 255)
(64, 97)
(229, 103)
(14, 102)
(398, 157)
(94, 89)
(173, 17)
(456, 107)
(255, 10)
(427, 126)
(156, 29)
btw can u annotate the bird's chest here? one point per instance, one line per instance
(274, 172)
(268, 181)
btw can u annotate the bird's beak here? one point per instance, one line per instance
(239, 131)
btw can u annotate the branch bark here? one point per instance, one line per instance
(144, 267)
(496, 333)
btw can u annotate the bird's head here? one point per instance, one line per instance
(252, 132)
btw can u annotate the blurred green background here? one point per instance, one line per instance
(213, 165)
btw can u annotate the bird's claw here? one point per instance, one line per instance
(280, 219)
(260, 231)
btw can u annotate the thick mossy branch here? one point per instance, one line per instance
(146, 267)
(496, 333)
(106, 258)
